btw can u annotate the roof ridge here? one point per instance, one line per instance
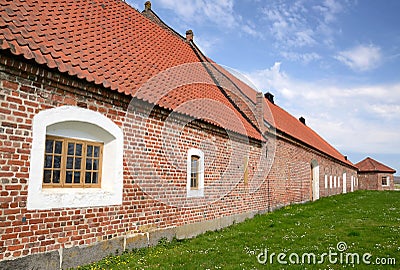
(371, 165)
(200, 54)
(149, 14)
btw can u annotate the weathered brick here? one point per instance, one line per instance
(10, 85)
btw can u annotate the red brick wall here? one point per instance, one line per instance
(154, 166)
(290, 176)
(373, 181)
(22, 96)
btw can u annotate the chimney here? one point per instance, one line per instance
(260, 111)
(147, 6)
(345, 157)
(270, 97)
(302, 120)
(189, 36)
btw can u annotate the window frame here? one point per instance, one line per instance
(199, 191)
(63, 166)
(386, 178)
(194, 175)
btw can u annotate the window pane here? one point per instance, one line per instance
(88, 178)
(68, 178)
(47, 177)
(77, 177)
(78, 163)
(58, 147)
(70, 162)
(96, 151)
(89, 151)
(78, 150)
(89, 164)
(48, 163)
(57, 162)
(95, 164)
(194, 166)
(71, 149)
(94, 180)
(56, 177)
(193, 181)
(49, 146)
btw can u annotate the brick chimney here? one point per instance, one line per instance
(189, 36)
(302, 120)
(270, 97)
(260, 110)
(147, 6)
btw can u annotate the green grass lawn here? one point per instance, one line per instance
(365, 221)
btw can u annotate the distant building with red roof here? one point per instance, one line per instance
(116, 131)
(374, 175)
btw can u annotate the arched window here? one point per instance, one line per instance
(195, 173)
(76, 159)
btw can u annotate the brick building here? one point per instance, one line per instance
(374, 175)
(117, 131)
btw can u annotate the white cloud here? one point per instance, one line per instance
(221, 13)
(387, 111)
(184, 9)
(288, 26)
(329, 9)
(250, 29)
(206, 45)
(362, 119)
(302, 57)
(361, 57)
(299, 23)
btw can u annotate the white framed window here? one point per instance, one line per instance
(334, 181)
(75, 127)
(330, 181)
(326, 181)
(195, 173)
(385, 181)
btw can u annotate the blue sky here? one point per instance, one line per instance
(335, 62)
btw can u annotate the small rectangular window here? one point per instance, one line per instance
(71, 163)
(195, 170)
(385, 181)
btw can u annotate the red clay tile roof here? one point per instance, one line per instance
(290, 125)
(371, 165)
(110, 43)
